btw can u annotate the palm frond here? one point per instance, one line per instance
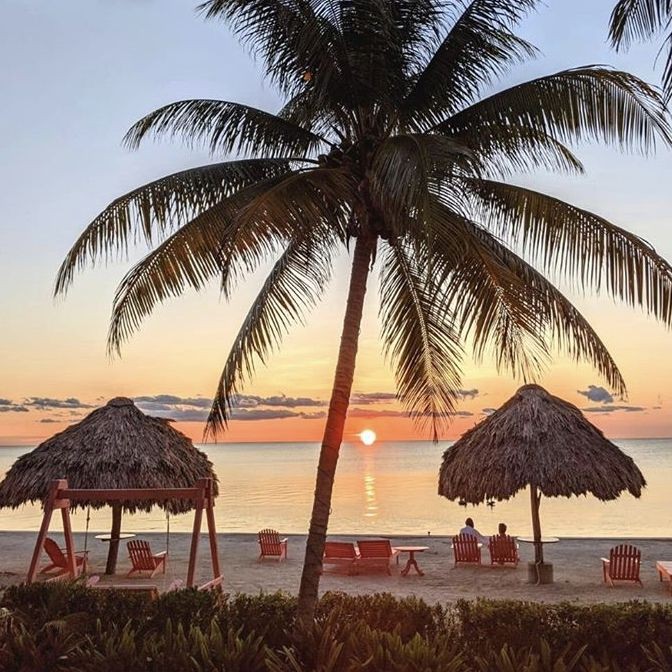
(298, 41)
(479, 47)
(293, 286)
(155, 209)
(641, 20)
(500, 149)
(407, 169)
(225, 127)
(191, 257)
(589, 103)
(501, 302)
(582, 246)
(319, 197)
(638, 20)
(421, 340)
(383, 40)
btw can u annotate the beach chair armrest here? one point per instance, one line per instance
(162, 554)
(605, 560)
(284, 541)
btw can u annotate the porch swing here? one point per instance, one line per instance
(60, 496)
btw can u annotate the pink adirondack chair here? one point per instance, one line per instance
(341, 553)
(59, 560)
(623, 564)
(143, 560)
(271, 546)
(375, 553)
(503, 550)
(466, 550)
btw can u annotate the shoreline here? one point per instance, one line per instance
(578, 569)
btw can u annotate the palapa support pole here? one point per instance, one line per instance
(535, 500)
(212, 532)
(196, 533)
(113, 552)
(49, 506)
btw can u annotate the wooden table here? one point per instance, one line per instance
(108, 537)
(664, 569)
(412, 562)
(543, 540)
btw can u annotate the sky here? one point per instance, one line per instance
(76, 75)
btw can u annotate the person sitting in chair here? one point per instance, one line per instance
(501, 530)
(471, 531)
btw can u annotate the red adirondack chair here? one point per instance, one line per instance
(342, 553)
(271, 546)
(143, 560)
(376, 553)
(623, 564)
(466, 549)
(59, 560)
(503, 550)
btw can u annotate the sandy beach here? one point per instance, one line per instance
(578, 571)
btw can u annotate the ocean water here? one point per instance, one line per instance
(387, 488)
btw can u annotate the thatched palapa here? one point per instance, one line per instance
(541, 441)
(116, 446)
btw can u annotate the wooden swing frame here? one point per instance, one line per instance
(60, 496)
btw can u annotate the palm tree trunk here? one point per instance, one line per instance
(333, 432)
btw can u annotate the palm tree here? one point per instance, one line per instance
(387, 148)
(641, 20)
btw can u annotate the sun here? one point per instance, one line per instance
(368, 437)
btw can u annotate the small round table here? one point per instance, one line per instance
(543, 540)
(122, 535)
(412, 562)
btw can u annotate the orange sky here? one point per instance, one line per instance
(57, 176)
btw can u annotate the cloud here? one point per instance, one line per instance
(6, 402)
(168, 403)
(373, 397)
(613, 409)
(374, 413)
(289, 402)
(244, 414)
(47, 403)
(597, 394)
(48, 421)
(468, 394)
(11, 407)
(317, 415)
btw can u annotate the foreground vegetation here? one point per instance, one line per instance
(59, 627)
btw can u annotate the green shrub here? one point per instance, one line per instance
(270, 615)
(186, 607)
(620, 630)
(406, 616)
(68, 627)
(40, 603)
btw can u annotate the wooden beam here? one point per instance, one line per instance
(196, 532)
(56, 486)
(138, 494)
(217, 581)
(212, 532)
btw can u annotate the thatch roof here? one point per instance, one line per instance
(536, 438)
(116, 446)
